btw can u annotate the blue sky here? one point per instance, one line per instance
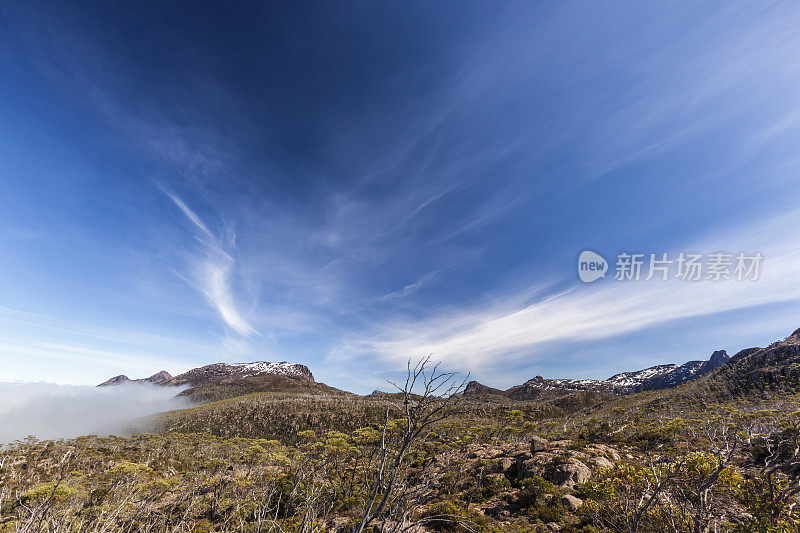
(350, 184)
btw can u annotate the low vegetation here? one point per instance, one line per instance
(424, 459)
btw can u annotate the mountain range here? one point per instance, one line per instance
(751, 369)
(652, 378)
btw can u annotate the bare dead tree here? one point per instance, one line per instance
(429, 396)
(780, 437)
(661, 481)
(40, 512)
(698, 494)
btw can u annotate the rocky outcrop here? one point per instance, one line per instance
(571, 502)
(567, 474)
(541, 473)
(558, 463)
(538, 444)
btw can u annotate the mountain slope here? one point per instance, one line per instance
(762, 370)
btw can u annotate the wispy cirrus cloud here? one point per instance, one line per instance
(215, 280)
(191, 215)
(411, 218)
(212, 272)
(500, 335)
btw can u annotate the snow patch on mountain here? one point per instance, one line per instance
(652, 378)
(223, 373)
(279, 369)
(630, 379)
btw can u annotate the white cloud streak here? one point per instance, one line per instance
(212, 273)
(481, 337)
(189, 214)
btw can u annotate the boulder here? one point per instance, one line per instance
(493, 452)
(538, 444)
(527, 468)
(567, 474)
(607, 451)
(577, 454)
(534, 466)
(602, 462)
(484, 452)
(571, 502)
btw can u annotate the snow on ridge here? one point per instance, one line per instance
(262, 367)
(632, 378)
(622, 380)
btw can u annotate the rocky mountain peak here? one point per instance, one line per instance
(116, 380)
(717, 359)
(719, 355)
(473, 387)
(159, 378)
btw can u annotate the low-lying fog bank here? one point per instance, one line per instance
(49, 411)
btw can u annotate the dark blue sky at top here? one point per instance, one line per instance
(349, 184)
